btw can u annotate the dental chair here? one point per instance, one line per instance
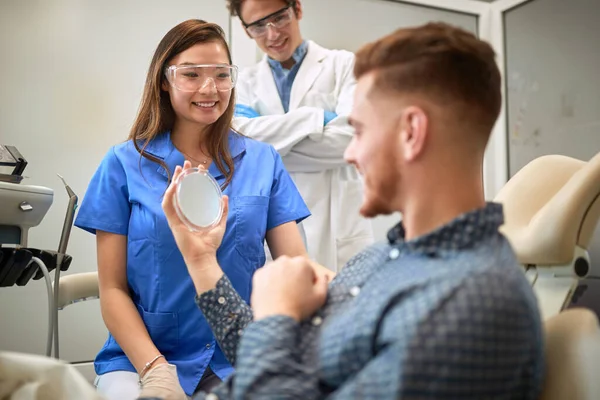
(22, 208)
(34, 377)
(77, 287)
(551, 209)
(572, 347)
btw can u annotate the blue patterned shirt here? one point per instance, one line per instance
(448, 315)
(284, 78)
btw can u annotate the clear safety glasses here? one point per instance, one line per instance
(277, 20)
(192, 78)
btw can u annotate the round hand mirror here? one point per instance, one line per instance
(198, 200)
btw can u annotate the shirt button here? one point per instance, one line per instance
(394, 253)
(212, 396)
(355, 291)
(316, 321)
(208, 345)
(221, 300)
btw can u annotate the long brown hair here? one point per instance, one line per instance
(156, 114)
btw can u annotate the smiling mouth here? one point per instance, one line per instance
(205, 104)
(279, 45)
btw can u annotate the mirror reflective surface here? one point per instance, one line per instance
(199, 199)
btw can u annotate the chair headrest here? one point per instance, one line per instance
(550, 206)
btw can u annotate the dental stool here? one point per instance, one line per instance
(572, 349)
(551, 209)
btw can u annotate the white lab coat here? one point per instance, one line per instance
(313, 154)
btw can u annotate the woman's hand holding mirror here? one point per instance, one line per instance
(196, 212)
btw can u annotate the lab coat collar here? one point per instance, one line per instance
(307, 74)
(266, 90)
(298, 56)
(163, 148)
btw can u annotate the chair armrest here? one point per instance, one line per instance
(77, 287)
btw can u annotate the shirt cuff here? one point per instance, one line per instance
(222, 304)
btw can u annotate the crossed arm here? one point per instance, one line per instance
(308, 138)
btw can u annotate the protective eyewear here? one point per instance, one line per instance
(277, 20)
(192, 78)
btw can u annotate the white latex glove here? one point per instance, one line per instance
(162, 382)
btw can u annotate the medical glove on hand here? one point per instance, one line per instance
(162, 382)
(328, 116)
(290, 287)
(195, 247)
(245, 111)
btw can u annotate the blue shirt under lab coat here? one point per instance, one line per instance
(284, 78)
(124, 197)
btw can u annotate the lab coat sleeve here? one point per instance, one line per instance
(282, 131)
(325, 150)
(285, 202)
(105, 205)
(315, 156)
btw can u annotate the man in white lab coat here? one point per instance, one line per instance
(298, 99)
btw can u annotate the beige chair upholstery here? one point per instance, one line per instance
(572, 356)
(551, 208)
(77, 287)
(33, 377)
(551, 205)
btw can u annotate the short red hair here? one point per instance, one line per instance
(447, 63)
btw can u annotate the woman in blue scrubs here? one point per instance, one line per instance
(157, 334)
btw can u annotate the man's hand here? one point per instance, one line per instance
(162, 382)
(288, 286)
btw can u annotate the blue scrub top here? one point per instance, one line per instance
(124, 197)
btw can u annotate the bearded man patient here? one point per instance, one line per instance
(439, 310)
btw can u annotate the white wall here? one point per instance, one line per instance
(71, 77)
(361, 21)
(553, 63)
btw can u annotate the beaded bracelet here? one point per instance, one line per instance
(148, 365)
